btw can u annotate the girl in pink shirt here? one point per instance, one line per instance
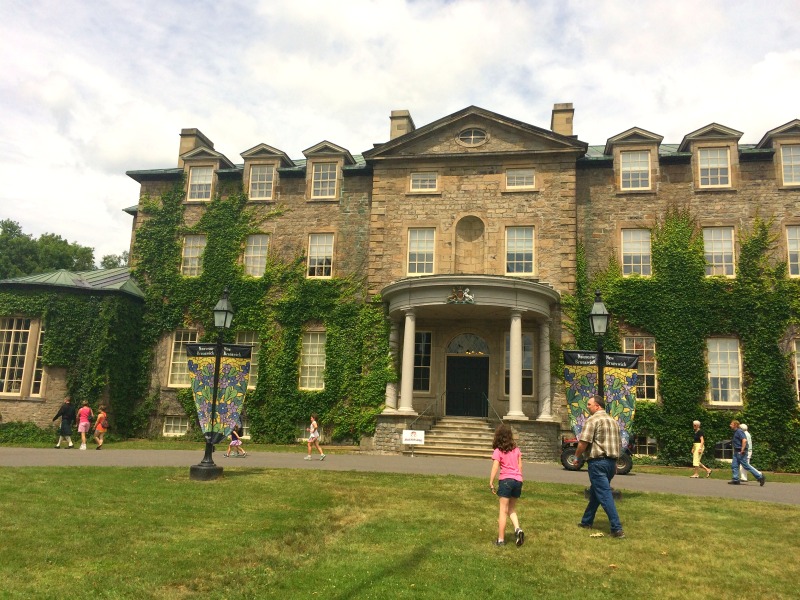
(507, 459)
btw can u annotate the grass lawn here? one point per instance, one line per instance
(152, 533)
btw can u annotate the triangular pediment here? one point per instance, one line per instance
(792, 128)
(326, 148)
(503, 135)
(203, 153)
(714, 131)
(265, 151)
(634, 135)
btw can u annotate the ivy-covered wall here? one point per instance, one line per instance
(277, 306)
(681, 308)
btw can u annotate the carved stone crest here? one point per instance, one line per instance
(461, 295)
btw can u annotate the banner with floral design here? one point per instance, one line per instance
(234, 374)
(619, 375)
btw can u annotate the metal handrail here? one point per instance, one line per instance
(489, 404)
(420, 415)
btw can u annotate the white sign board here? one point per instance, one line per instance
(413, 436)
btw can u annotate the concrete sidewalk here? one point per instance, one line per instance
(784, 493)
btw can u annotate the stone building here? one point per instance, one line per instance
(468, 228)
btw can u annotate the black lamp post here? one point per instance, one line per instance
(206, 470)
(598, 320)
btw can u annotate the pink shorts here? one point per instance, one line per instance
(236, 443)
(84, 427)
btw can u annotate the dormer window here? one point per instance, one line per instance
(635, 170)
(790, 163)
(262, 178)
(714, 167)
(323, 180)
(200, 183)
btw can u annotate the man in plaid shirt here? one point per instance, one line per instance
(601, 436)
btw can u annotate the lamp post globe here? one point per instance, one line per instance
(223, 317)
(598, 321)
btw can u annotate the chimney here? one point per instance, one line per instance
(401, 123)
(561, 121)
(191, 139)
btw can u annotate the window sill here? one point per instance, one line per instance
(715, 190)
(648, 192)
(424, 193)
(22, 399)
(326, 200)
(726, 406)
(533, 190)
(789, 187)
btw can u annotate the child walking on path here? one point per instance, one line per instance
(236, 444)
(100, 427)
(85, 416)
(507, 459)
(313, 438)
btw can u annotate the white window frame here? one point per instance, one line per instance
(312, 360)
(423, 350)
(319, 264)
(245, 428)
(521, 178)
(178, 363)
(520, 241)
(528, 364)
(424, 181)
(192, 255)
(324, 176)
(20, 357)
(797, 366)
(645, 347)
(250, 338)
(256, 249)
(793, 250)
(634, 170)
(790, 164)
(175, 425)
(636, 252)
(262, 181)
(714, 169)
(718, 244)
(724, 371)
(421, 255)
(201, 181)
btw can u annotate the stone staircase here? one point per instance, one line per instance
(468, 437)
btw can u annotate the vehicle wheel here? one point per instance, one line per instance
(624, 464)
(568, 460)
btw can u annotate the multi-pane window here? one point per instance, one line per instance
(790, 162)
(245, 428)
(723, 371)
(797, 365)
(422, 361)
(312, 361)
(636, 252)
(644, 445)
(255, 254)
(527, 364)
(718, 245)
(320, 255)
(38, 371)
(14, 334)
(192, 256)
(250, 338)
(520, 178)
(714, 167)
(179, 366)
(424, 182)
(262, 178)
(200, 183)
(645, 347)
(635, 170)
(323, 180)
(793, 247)
(519, 250)
(472, 137)
(175, 425)
(420, 251)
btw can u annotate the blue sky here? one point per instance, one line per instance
(92, 89)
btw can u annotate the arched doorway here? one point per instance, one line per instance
(467, 376)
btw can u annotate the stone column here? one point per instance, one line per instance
(407, 372)
(515, 369)
(545, 399)
(391, 387)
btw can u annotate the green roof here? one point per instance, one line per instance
(101, 280)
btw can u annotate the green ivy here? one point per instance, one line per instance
(278, 306)
(681, 308)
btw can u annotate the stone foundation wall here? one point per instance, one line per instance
(389, 433)
(537, 440)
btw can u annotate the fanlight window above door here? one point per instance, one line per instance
(468, 343)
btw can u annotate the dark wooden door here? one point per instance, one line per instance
(467, 386)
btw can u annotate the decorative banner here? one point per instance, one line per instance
(234, 374)
(619, 374)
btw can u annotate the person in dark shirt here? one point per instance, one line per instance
(739, 443)
(697, 450)
(67, 414)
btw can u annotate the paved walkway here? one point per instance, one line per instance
(784, 493)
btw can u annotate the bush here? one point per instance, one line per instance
(25, 432)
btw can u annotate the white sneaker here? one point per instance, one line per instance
(322, 457)
(308, 457)
(83, 446)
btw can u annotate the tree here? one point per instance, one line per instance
(21, 254)
(113, 261)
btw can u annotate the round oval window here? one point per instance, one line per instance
(472, 137)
